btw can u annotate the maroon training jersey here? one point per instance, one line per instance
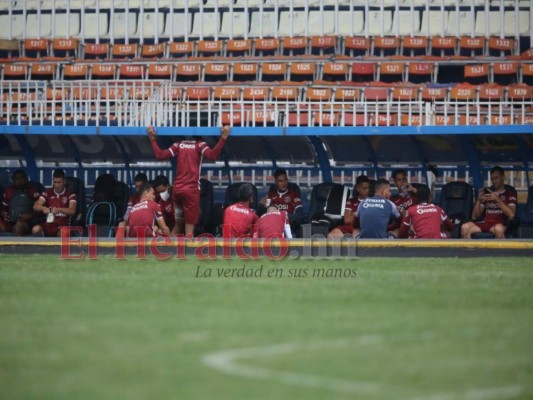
(189, 154)
(238, 221)
(10, 192)
(493, 212)
(134, 199)
(143, 216)
(271, 225)
(59, 200)
(167, 209)
(403, 201)
(425, 221)
(285, 201)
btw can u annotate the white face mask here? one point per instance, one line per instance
(164, 195)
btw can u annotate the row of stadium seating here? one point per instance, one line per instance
(147, 26)
(314, 46)
(295, 72)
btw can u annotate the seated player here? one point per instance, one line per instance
(376, 212)
(146, 219)
(425, 220)
(163, 194)
(404, 199)
(274, 223)
(239, 219)
(134, 198)
(285, 199)
(351, 222)
(57, 204)
(17, 205)
(496, 204)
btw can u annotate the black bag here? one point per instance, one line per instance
(21, 203)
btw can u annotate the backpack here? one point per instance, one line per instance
(21, 203)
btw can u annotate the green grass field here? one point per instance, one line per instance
(434, 329)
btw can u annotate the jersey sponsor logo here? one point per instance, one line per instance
(240, 210)
(426, 210)
(185, 145)
(287, 199)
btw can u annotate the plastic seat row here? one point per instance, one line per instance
(387, 71)
(150, 25)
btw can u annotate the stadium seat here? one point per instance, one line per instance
(411, 120)
(263, 47)
(298, 119)
(17, 26)
(326, 118)
(95, 50)
(303, 71)
(188, 72)
(335, 72)
(317, 222)
(103, 71)
(502, 46)
(235, 25)
(43, 71)
(471, 46)
(153, 50)
(177, 25)
(385, 46)
(445, 120)
(391, 72)
(351, 23)
(95, 25)
(161, 71)
(292, 24)
(124, 50)
(274, 72)
(15, 72)
(65, 47)
(414, 45)
(517, 23)
(263, 25)
(347, 94)
(36, 48)
(215, 72)
(286, 93)
(349, 119)
(232, 195)
(505, 73)
(209, 48)
(227, 93)
(433, 23)
(491, 92)
(376, 93)
(364, 72)
(519, 92)
(494, 26)
(404, 24)
(131, 71)
(443, 46)
(243, 72)
(500, 120)
(123, 26)
(198, 93)
(421, 72)
(526, 74)
(205, 25)
(242, 47)
(261, 116)
(356, 46)
(39, 26)
(378, 23)
(321, 45)
(406, 92)
(477, 74)
(321, 23)
(256, 94)
(151, 25)
(75, 71)
(384, 120)
(181, 49)
(460, 23)
(294, 45)
(434, 93)
(457, 201)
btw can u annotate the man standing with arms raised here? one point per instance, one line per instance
(186, 191)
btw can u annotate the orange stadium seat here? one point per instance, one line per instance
(294, 45)
(243, 72)
(318, 94)
(175, 93)
(364, 72)
(36, 47)
(285, 93)
(131, 71)
(227, 93)
(198, 93)
(527, 74)
(386, 45)
(376, 93)
(491, 92)
(444, 120)
(83, 93)
(414, 45)
(214, 72)
(347, 94)
(124, 50)
(434, 93)
(65, 47)
(525, 119)
(406, 92)
(333, 71)
(43, 71)
(15, 72)
(519, 92)
(56, 96)
(156, 50)
(263, 47)
(471, 119)
(391, 72)
(274, 72)
(103, 71)
(181, 49)
(256, 94)
(472, 46)
(500, 120)
(161, 71)
(355, 119)
(501, 46)
(210, 47)
(261, 117)
(323, 45)
(75, 71)
(411, 120)
(463, 92)
(326, 118)
(188, 72)
(241, 47)
(236, 118)
(355, 46)
(421, 72)
(96, 50)
(112, 94)
(505, 73)
(384, 120)
(298, 119)
(478, 73)
(443, 45)
(303, 71)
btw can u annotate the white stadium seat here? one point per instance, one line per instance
(149, 25)
(269, 24)
(39, 27)
(375, 21)
(180, 24)
(511, 22)
(296, 19)
(210, 24)
(464, 28)
(351, 23)
(403, 19)
(494, 23)
(66, 26)
(437, 24)
(95, 25)
(17, 26)
(118, 25)
(315, 23)
(239, 24)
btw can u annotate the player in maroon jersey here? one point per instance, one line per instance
(57, 204)
(351, 222)
(163, 193)
(425, 220)
(274, 223)
(404, 199)
(19, 223)
(145, 215)
(285, 199)
(134, 198)
(186, 192)
(496, 204)
(239, 219)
